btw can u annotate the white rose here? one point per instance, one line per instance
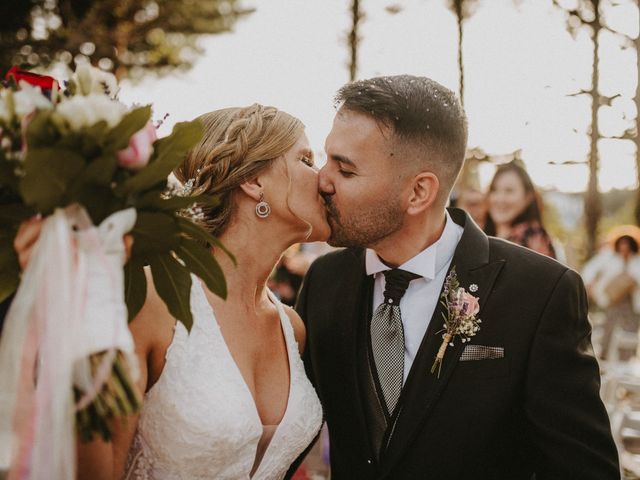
(89, 79)
(28, 99)
(81, 112)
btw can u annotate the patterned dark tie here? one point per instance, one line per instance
(387, 337)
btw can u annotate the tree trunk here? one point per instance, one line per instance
(457, 5)
(593, 202)
(637, 137)
(353, 39)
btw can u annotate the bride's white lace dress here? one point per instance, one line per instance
(199, 420)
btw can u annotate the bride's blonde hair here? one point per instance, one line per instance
(237, 145)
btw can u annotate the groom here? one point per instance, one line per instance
(521, 397)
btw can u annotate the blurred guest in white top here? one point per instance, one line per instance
(612, 278)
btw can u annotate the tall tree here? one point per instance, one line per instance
(586, 14)
(128, 37)
(462, 9)
(589, 14)
(354, 39)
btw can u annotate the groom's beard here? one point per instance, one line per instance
(364, 226)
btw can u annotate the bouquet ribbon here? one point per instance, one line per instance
(70, 304)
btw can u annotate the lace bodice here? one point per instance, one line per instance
(199, 420)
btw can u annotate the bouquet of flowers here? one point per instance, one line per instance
(95, 169)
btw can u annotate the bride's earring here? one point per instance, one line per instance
(262, 208)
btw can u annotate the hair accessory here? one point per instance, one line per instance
(262, 208)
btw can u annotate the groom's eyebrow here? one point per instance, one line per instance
(342, 159)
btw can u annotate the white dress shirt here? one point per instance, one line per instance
(422, 295)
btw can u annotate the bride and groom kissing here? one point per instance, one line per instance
(430, 349)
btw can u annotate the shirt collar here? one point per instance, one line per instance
(429, 261)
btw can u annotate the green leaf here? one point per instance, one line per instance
(100, 171)
(88, 141)
(41, 132)
(200, 261)
(97, 132)
(134, 121)
(168, 153)
(173, 284)
(98, 201)
(48, 173)
(135, 286)
(196, 232)
(155, 232)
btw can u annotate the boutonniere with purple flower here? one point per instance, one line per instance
(460, 318)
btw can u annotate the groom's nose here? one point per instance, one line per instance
(324, 181)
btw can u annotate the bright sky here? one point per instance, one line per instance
(520, 65)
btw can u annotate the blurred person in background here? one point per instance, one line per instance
(288, 274)
(515, 210)
(612, 278)
(473, 201)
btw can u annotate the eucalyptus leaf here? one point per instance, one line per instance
(196, 232)
(200, 261)
(155, 232)
(168, 153)
(134, 121)
(173, 283)
(48, 173)
(135, 286)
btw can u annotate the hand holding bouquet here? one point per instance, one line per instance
(94, 168)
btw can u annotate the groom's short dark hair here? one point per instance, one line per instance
(423, 115)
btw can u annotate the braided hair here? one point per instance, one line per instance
(238, 144)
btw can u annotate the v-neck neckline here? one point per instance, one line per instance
(282, 315)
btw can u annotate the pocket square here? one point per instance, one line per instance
(481, 352)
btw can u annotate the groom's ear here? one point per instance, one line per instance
(253, 188)
(424, 192)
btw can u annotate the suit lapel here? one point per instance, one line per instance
(347, 316)
(423, 388)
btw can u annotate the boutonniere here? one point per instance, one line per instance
(460, 318)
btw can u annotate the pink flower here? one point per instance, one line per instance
(137, 154)
(469, 304)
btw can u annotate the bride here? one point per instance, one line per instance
(230, 399)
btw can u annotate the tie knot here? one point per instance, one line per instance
(396, 285)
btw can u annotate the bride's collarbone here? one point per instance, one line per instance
(255, 345)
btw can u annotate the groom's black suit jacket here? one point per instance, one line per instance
(537, 410)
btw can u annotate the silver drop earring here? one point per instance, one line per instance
(262, 208)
